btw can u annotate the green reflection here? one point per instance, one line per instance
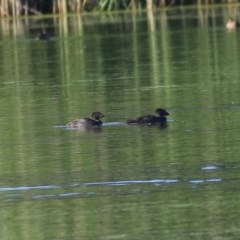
(123, 65)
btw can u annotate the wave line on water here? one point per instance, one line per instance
(108, 183)
(129, 182)
(23, 188)
(93, 189)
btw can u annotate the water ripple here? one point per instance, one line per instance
(23, 188)
(91, 189)
(124, 183)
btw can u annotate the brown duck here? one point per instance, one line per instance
(93, 121)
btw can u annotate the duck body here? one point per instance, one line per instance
(44, 35)
(92, 122)
(158, 119)
(232, 24)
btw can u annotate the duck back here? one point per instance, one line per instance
(93, 121)
(157, 119)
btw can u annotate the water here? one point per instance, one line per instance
(121, 182)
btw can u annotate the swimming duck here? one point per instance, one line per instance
(44, 35)
(92, 122)
(157, 119)
(232, 24)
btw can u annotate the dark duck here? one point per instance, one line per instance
(44, 35)
(92, 122)
(158, 119)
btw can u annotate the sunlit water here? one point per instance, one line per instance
(120, 181)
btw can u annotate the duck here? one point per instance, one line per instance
(158, 119)
(44, 35)
(232, 24)
(91, 122)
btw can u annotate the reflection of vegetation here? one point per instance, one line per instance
(25, 7)
(130, 214)
(120, 64)
(104, 54)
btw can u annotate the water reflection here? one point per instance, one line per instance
(132, 182)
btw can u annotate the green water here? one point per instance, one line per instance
(122, 182)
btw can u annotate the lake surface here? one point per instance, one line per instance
(121, 182)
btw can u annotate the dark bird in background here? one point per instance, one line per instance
(44, 35)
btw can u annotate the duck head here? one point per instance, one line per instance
(161, 112)
(97, 115)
